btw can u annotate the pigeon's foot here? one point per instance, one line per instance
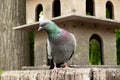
(66, 66)
(55, 68)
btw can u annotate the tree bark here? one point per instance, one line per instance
(14, 45)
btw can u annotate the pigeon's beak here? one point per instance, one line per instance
(40, 28)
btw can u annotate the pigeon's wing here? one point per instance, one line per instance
(74, 41)
(49, 50)
(49, 55)
(75, 45)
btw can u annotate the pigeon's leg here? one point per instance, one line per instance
(66, 66)
(55, 67)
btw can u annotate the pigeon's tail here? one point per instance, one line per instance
(60, 65)
(51, 63)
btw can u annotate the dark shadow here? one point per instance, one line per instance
(109, 10)
(90, 7)
(56, 8)
(31, 44)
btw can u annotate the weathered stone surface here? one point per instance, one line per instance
(98, 74)
(113, 74)
(117, 74)
(43, 75)
(70, 75)
(57, 75)
(26, 75)
(106, 74)
(110, 74)
(64, 74)
(82, 74)
(60, 74)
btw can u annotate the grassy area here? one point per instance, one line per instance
(1, 71)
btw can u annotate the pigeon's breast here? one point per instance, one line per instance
(62, 47)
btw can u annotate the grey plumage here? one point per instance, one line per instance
(61, 44)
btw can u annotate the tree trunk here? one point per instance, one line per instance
(14, 45)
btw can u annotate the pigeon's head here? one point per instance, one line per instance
(47, 25)
(43, 24)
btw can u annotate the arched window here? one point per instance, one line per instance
(109, 10)
(56, 8)
(90, 7)
(95, 50)
(39, 9)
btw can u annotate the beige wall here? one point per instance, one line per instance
(70, 7)
(100, 10)
(30, 9)
(40, 48)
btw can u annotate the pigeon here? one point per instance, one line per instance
(41, 16)
(61, 44)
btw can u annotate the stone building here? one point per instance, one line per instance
(86, 19)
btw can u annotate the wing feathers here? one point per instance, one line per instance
(75, 42)
(49, 49)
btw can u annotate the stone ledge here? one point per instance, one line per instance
(72, 66)
(63, 74)
(60, 74)
(74, 17)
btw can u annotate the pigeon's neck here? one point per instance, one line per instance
(53, 34)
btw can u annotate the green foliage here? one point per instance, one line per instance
(108, 13)
(89, 13)
(95, 52)
(118, 45)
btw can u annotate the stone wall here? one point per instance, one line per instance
(64, 74)
(70, 6)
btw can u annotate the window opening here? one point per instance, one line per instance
(56, 8)
(109, 10)
(95, 50)
(90, 7)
